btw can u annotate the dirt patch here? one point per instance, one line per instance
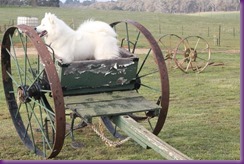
(32, 51)
(232, 51)
(226, 51)
(20, 52)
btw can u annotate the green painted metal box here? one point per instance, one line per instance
(95, 76)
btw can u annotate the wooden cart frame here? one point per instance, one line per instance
(38, 90)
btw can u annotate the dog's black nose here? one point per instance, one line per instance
(35, 28)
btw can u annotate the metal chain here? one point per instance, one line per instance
(107, 141)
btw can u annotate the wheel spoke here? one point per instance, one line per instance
(195, 48)
(143, 63)
(150, 124)
(29, 116)
(26, 83)
(151, 88)
(186, 44)
(41, 128)
(151, 73)
(26, 58)
(20, 70)
(151, 77)
(197, 54)
(188, 65)
(135, 44)
(17, 112)
(202, 59)
(50, 115)
(44, 107)
(35, 80)
(17, 65)
(12, 78)
(127, 36)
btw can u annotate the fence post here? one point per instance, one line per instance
(219, 35)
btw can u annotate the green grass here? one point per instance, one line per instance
(205, 25)
(204, 114)
(207, 108)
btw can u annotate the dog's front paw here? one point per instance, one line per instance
(59, 60)
(61, 63)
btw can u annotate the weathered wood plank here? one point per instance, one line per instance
(103, 96)
(104, 104)
(93, 76)
(144, 137)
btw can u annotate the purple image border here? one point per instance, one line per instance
(164, 161)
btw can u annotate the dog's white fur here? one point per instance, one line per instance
(92, 40)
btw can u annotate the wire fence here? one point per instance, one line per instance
(218, 35)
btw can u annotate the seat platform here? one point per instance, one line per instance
(109, 103)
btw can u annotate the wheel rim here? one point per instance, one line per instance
(136, 39)
(39, 118)
(168, 44)
(193, 53)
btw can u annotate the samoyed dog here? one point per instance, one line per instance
(92, 40)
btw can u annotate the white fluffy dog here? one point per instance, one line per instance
(92, 40)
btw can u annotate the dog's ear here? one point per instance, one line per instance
(47, 14)
(51, 18)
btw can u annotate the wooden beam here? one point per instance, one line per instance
(145, 138)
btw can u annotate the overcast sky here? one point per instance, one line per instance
(83, 0)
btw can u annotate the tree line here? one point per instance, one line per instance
(170, 6)
(162, 6)
(53, 3)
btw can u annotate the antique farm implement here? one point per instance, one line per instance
(130, 93)
(191, 53)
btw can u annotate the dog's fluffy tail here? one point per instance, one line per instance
(107, 48)
(92, 26)
(104, 37)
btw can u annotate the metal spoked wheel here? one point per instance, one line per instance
(33, 91)
(193, 53)
(168, 44)
(152, 77)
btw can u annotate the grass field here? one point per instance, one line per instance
(204, 114)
